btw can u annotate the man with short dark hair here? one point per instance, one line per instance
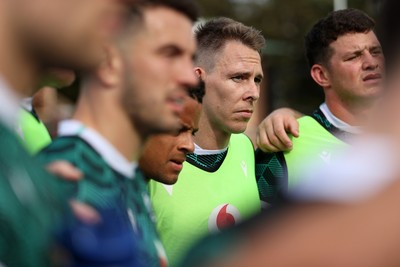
(217, 186)
(346, 60)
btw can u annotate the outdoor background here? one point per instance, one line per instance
(284, 24)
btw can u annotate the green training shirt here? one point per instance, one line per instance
(318, 144)
(202, 201)
(109, 179)
(34, 133)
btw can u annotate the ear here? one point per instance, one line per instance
(200, 72)
(320, 75)
(109, 72)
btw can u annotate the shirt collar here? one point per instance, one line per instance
(26, 103)
(108, 152)
(9, 106)
(338, 123)
(200, 151)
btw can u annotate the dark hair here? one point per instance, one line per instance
(197, 92)
(212, 36)
(329, 28)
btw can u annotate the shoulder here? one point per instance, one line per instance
(241, 140)
(70, 148)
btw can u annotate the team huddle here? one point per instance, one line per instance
(153, 167)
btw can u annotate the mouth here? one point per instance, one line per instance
(175, 103)
(372, 77)
(246, 113)
(177, 164)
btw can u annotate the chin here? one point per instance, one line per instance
(169, 180)
(238, 129)
(166, 179)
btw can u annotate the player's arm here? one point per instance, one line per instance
(271, 176)
(272, 133)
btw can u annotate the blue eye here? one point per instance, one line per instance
(238, 78)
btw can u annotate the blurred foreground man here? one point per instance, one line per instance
(138, 90)
(29, 201)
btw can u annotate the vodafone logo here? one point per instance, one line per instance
(223, 216)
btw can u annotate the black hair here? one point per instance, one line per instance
(197, 92)
(329, 28)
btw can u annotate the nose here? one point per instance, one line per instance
(253, 92)
(370, 62)
(186, 143)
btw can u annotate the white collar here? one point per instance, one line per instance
(338, 123)
(200, 151)
(108, 152)
(26, 103)
(9, 106)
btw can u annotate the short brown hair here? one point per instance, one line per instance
(212, 36)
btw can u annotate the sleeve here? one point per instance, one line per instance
(271, 176)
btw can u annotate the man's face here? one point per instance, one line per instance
(232, 87)
(355, 70)
(65, 33)
(158, 70)
(163, 156)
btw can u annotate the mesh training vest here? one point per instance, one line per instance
(202, 202)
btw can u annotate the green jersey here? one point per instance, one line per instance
(34, 133)
(203, 201)
(31, 205)
(109, 180)
(319, 142)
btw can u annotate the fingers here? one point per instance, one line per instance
(65, 170)
(272, 133)
(84, 212)
(279, 137)
(293, 127)
(263, 141)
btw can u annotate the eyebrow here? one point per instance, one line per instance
(170, 47)
(185, 127)
(359, 51)
(245, 73)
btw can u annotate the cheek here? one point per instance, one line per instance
(161, 147)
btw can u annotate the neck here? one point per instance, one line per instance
(17, 67)
(96, 111)
(355, 113)
(209, 136)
